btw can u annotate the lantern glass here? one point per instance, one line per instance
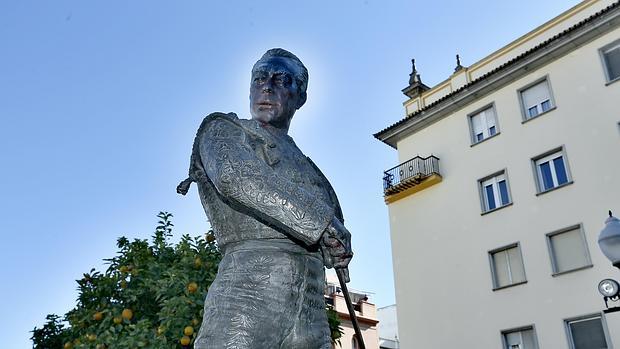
(609, 240)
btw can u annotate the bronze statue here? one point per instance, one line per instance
(275, 216)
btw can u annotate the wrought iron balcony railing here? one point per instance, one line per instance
(410, 173)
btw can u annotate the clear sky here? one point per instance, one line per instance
(100, 101)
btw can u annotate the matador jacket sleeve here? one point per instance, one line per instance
(250, 185)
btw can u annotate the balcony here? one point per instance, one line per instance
(410, 177)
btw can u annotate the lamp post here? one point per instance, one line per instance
(609, 242)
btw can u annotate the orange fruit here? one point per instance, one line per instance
(92, 337)
(192, 287)
(124, 269)
(185, 340)
(68, 345)
(98, 316)
(117, 320)
(188, 331)
(127, 314)
(195, 322)
(197, 262)
(210, 238)
(161, 330)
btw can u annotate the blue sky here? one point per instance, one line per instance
(100, 100)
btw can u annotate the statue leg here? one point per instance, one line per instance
(310, 328)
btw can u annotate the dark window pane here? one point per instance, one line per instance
(503, 192)
(492, 130)
(490, 198)
(612, 61)
(546, 105)
(545, 172)
(588, 334)
(533, 111)
(560, 170)
(479, 137)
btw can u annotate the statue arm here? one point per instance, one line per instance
(250, 186)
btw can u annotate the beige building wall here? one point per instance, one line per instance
(365, 311)
(441, 239)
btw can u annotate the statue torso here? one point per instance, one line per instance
(280, 153)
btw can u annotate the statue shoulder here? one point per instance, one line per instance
(216, 118)
(196, 170)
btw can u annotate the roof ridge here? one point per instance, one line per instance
(501, 67)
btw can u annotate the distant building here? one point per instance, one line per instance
(388, 327)
(365, 311)
(508, 169)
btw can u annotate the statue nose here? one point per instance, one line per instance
(268, 86)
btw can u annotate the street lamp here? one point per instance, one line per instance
(609, 242)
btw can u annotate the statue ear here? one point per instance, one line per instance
(302, 99)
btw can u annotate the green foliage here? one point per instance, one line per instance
(147, 297)
(334, 325)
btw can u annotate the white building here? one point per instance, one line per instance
(388, 327)
(508, 169)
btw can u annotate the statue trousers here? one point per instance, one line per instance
(268, 294)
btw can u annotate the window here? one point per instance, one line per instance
(507, 266)
(551, 171)
(483, 124)
(586, 333)
(568, 249)
(494, 192)
(354, 344)
(522, 338)
(536, 99)
(611, 60)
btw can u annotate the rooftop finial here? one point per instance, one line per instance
(610, 213)
(416, 87)
(414, 77)
(458, 64)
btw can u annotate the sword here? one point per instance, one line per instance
(347, 299)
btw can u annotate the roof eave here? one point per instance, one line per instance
(519, 66)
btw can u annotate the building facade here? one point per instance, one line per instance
(365, 311)
(507, 171)
(388, 327)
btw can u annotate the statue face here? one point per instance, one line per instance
(274, 92)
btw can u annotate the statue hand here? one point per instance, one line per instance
(336, 246)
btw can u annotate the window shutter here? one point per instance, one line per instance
(569, 250)
(516, 265)
(588, 334)
(612, 61)
(500, 264)
(535, 94)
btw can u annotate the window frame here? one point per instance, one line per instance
(532, 327)
(552, 258)
(494, 281)
(470, 116)
(538, 175)
(569, 334)
(484, 206)
(609, 47)
(524, 110)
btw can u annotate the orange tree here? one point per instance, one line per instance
(151, 296)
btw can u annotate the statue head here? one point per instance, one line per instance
(278, 88)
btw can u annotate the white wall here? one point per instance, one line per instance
(440, 240)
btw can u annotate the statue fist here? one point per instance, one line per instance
(336, 246)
